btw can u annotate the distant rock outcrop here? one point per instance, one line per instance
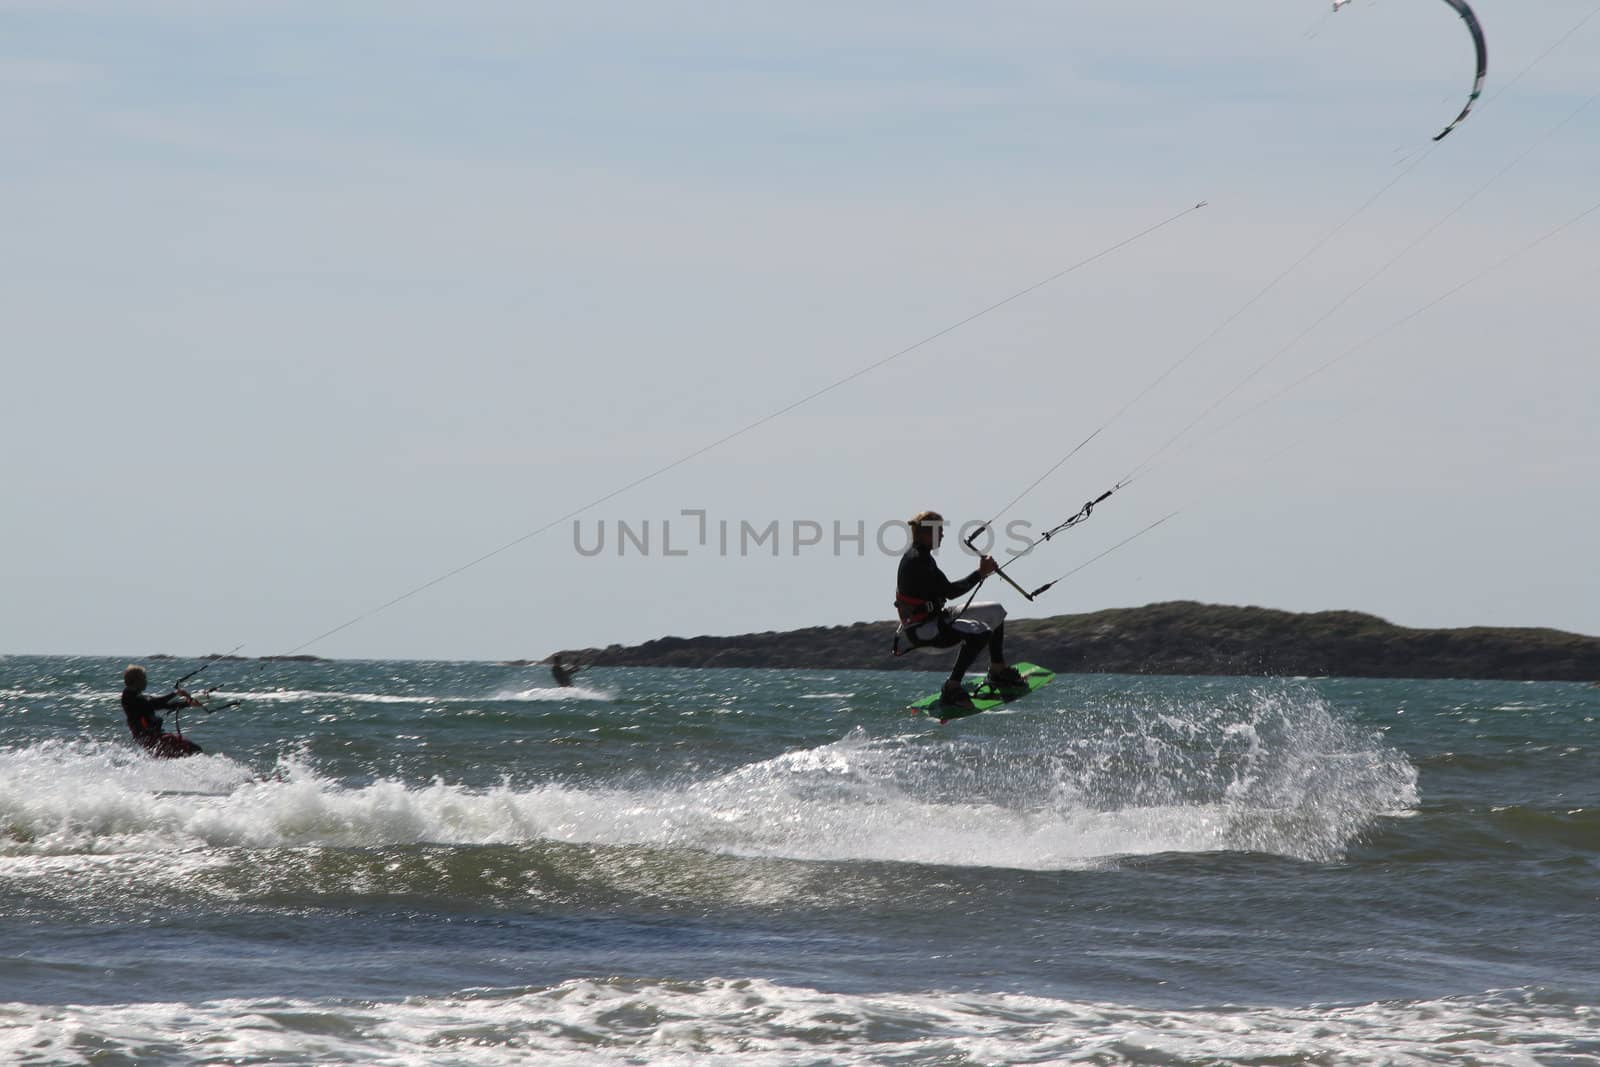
(1179, 637)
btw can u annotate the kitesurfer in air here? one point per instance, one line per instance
(562, 673)
(143, 721)
(921, 591)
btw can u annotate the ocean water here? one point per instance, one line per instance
(408, 863)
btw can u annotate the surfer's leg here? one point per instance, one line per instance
(973, 634)
(970, 648)
(993, 618)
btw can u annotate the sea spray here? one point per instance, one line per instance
(1268, 770)
(1122, 869)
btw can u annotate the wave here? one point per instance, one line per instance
(301, 696)
(1511, 832)
(573, 692)
(1575, 829)
(296, 696)
(759, 1023)
(576, 692)
(1273, 774)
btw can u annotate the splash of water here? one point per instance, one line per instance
(764, 1024)
(1271, 771)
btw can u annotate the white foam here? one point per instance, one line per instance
(284, 696)
(757, 1023)
(275, 696)
(1283, 779)
(313, 696)
(559, 693)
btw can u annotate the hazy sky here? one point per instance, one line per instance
(308, 304)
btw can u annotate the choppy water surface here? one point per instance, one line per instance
(445, 863)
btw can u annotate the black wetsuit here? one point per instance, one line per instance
(145, 724)
(920, 578)
(563, 675)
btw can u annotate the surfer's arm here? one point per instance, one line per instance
(920, 577)
(955, 589)
(141, 710)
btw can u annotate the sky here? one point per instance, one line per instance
(480, 330)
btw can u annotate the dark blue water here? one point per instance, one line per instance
(455, 863)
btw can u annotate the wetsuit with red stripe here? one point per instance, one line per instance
(921, 588)
(145, 724)
(921, 591)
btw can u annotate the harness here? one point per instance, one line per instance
(914, 611)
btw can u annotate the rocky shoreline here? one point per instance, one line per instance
(1177, 637)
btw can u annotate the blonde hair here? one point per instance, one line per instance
(134, 677)
(923, 523)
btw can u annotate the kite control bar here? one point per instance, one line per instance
(1000, 570)
(209, 661)
(196, 702)
(1082, 515)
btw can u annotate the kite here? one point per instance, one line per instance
(1476, 30)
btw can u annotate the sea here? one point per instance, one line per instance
(431, 863)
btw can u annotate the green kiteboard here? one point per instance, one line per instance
(983, 695)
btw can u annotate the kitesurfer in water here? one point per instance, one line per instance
(143, 721)
(562, 673)
(921, 590)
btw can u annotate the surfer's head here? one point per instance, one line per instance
(134, 677)
(927, 529)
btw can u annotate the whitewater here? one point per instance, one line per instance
(426, 863)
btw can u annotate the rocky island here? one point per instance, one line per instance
(1178, 637)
